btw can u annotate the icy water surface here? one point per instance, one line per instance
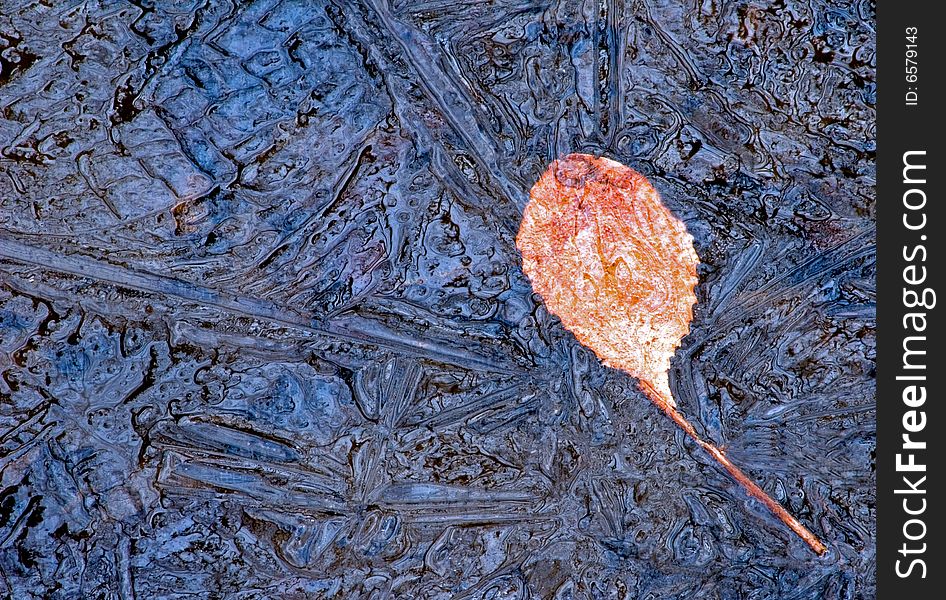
(264, 331)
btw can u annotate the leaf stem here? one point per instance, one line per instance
(750, 486)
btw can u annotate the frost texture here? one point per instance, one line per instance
(264, 330)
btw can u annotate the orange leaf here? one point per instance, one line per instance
(613, 263)
(619, 269)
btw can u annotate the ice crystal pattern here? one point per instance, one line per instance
(264, 330)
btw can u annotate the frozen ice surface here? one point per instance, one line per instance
(264, 331)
